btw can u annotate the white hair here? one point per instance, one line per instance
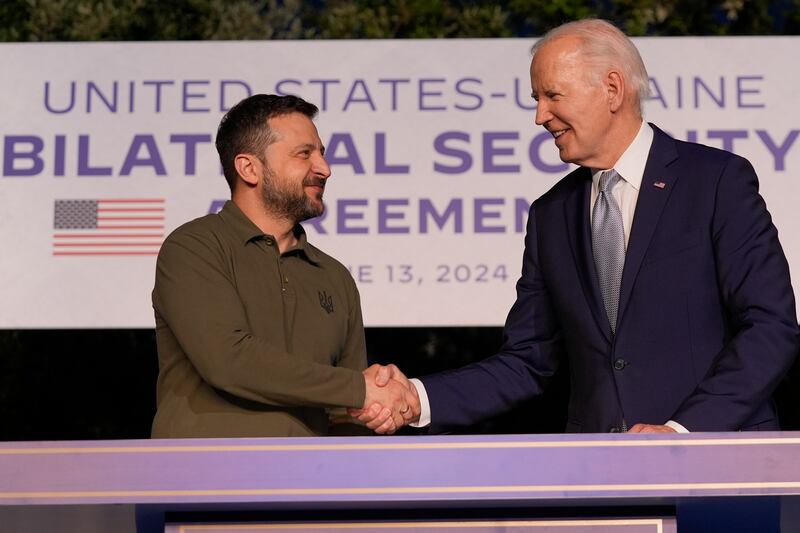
(605, 46)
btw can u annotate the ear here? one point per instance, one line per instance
(615, 89)
(249, 168)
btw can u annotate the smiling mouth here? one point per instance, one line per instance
(314, 182)
(317, 191)
(558, 133)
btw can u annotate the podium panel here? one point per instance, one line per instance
(494, 483)
(649, 525)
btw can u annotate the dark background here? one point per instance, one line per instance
(100, 384)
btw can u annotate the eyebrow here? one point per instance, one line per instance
(309, 146)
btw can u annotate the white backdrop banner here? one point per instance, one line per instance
(107, 147)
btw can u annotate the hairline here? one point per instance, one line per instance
(618, 52)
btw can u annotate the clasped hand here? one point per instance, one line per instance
(391, 400)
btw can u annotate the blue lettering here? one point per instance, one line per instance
(454, 210)
(11, 153)
(381, 167)
(152, 157)
(441, 147)
(351, 154)
(50, 108)
(490, 151)
(351, 96)
(461, 90)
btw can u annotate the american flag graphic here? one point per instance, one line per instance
(107, 227)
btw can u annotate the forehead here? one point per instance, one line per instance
(293, 127)
(557, 59)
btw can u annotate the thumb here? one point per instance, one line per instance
(383, 376)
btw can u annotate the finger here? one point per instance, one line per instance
(371, 413)
(409, 411)
(398, 375)
(637, 428)
(383, 376)
(413, 402)
(398, 419)
(387, 428)
(407, 414)
(384, 416)
(371, 370)
(650, 428)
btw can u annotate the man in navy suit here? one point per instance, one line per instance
(654, 268)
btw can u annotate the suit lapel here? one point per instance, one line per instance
(657, 184)
(579, 230)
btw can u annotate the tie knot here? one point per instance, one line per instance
(608, 179)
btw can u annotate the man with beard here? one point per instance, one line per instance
(260, 333)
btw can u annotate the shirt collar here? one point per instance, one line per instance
(246, 231)
(630, 165)
(303, 245)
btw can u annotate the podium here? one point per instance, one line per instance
(554, 483)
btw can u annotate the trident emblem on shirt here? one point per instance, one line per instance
(325, 301)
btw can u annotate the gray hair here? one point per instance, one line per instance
(605, 46)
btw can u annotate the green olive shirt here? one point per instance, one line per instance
(252, 342)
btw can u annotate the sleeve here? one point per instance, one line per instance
(196, 297)
(531, 352)
(753, 277)
(354, 353)
(354, 356)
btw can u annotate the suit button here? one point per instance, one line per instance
(619, 364)
(614, 430)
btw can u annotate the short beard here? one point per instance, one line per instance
(288, 204)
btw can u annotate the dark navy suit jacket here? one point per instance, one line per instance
(706, 326)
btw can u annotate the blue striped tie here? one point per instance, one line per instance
(608, 244)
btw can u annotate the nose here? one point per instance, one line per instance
(320, 167)
(542, 113)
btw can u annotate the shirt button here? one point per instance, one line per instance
(619, 364)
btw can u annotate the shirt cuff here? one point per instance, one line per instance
(424, 405)
(677, 427)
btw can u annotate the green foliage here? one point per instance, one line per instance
(536, 17)
(693, 17)
(412, 19)
(143, 20)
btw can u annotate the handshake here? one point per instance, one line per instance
(391, 401)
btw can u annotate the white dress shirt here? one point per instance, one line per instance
(630, 167)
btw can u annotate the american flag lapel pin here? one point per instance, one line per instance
(659, 184)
